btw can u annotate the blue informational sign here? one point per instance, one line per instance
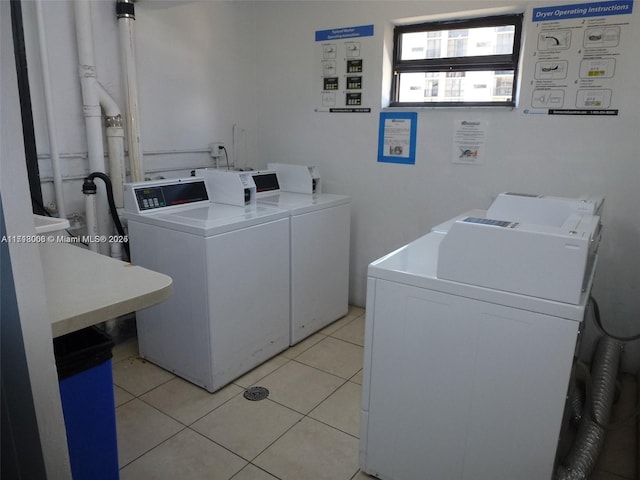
(583, 10)
(397, 137)
(344, 33)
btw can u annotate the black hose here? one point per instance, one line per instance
(226, 156)
(26, 110)
(112, 207)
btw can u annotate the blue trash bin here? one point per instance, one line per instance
(83, 360)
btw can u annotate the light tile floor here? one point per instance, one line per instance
(307, 428)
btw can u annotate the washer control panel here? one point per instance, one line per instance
(151, 196)
(266, 181)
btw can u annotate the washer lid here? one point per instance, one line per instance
(210, 219)
(298, 203)
(416, 264)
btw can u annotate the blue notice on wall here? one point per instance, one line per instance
(583, 10)
(397, 137)
(343, 33)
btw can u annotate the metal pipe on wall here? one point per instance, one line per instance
(96, 99)
(115, 143)
(51, 121)
(115, 140)
(126, 16)
(91, 108)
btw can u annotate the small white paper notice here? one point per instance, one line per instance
(469, 137)
(397, 137)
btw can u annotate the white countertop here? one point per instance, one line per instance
(84, 288)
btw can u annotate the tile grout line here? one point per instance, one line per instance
(317, 405)
(324, 371)
(255, 466)
(136, 358)
(265, 375)
(199, 418)
(300, 342)
(153, 448)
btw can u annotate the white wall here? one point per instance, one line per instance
(393, 204)
(205, 66)
(196, 69)
(197, 79)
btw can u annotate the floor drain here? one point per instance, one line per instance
(256, 393)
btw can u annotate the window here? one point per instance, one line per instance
(471, 62)
(432, 84)
(458, 41)
(454, 87)
(433, 44)
(503, 85)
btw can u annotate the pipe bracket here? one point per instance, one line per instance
(113, 121)
(125, 9)
(92, 111)
(87, 71)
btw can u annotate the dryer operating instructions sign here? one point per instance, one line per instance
(575, 58)
(342, 70)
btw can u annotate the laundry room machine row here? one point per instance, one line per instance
(319, 236)
(229, 311)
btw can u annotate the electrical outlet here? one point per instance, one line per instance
(217, 149)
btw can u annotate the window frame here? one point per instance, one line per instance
(496, 62)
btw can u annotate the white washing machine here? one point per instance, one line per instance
(469, 381)
(229, 310)
(320, 236)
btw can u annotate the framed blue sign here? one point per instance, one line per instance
(397, 137)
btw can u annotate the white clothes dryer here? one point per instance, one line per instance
(319, 237)
(464, 380)
(229, 310)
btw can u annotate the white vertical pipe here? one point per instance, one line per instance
(92, 222)
(92, 112)
(51, 121)
(87, 72)
(106, 101)
(115, 148)
(115, 139)
(125, 25)
(234, 144)
(115, 144)
(116, 252)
